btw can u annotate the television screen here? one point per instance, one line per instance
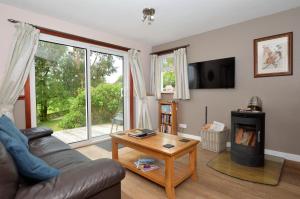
(212, 74)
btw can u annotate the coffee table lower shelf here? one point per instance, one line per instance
(181, 170)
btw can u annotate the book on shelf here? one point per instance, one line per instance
(165, 128)
(145, 161)
(167, 119)
(141, 133)
(149, 168)
(146, 164)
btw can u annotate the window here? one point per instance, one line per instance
(79, 90)
(60, 87)
(106, 93)
(167, 74)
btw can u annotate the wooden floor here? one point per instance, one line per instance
(210, 183)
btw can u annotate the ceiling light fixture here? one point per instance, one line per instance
(148, 15)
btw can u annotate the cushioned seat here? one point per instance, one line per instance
(47, 145)
(9, 175)
(64, 160)
(79, 177)
(84, 181)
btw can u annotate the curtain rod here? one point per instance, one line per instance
(74, 37)
(163, 52)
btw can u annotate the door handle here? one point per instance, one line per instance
(258, 136)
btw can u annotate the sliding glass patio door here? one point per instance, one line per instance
(60, 90)
(107, 101)
(80, 91)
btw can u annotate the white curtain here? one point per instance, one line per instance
(144, 120)
(155, 76)
(20, 62)
(182, 91)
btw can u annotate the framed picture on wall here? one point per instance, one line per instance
(273, 55)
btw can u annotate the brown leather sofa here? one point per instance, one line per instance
(79, 178)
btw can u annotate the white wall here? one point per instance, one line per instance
(7, 31)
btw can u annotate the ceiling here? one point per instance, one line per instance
(174, 19)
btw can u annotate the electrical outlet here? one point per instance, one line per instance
(183, 126)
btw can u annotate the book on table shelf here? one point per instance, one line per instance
(146, 164)
(141, 133)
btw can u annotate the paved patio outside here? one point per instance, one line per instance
(80, 134)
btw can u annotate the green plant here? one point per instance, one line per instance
(168, 74)
(60, 76)
(76, 116)
(73, 119)
(106, 99)
(105, 103)
(169, 79)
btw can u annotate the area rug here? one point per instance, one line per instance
(269, 174)
(107, 145)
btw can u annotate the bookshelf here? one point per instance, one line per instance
(168, 117)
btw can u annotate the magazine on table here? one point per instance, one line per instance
(146, 164)
(141, 133)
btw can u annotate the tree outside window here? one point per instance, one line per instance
(60, 86)
(168, 76)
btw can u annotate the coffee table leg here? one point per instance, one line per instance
(169, 178)
(193, 163)
(114, 150)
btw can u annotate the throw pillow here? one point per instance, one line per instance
(27, 164)
(8, 127)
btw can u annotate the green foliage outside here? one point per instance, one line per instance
(106, 100)
(168, 72)
(60, 86)
(101, 66)
(168, 79)
(53, 124)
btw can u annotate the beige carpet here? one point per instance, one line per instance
(269, 174)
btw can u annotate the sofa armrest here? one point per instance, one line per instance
(38, 132)
(83, 181)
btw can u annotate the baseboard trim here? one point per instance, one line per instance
(287, 156)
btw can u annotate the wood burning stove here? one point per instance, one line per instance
(248, 138)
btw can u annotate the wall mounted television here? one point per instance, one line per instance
(219, 73)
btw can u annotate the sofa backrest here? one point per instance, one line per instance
(9, 179)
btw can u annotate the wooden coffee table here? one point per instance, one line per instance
(171, 172)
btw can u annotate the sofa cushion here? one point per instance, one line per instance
(8, 127)
(65, 160)
(9, 175)
(83, 181)
(46, 145)
(28, 165)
